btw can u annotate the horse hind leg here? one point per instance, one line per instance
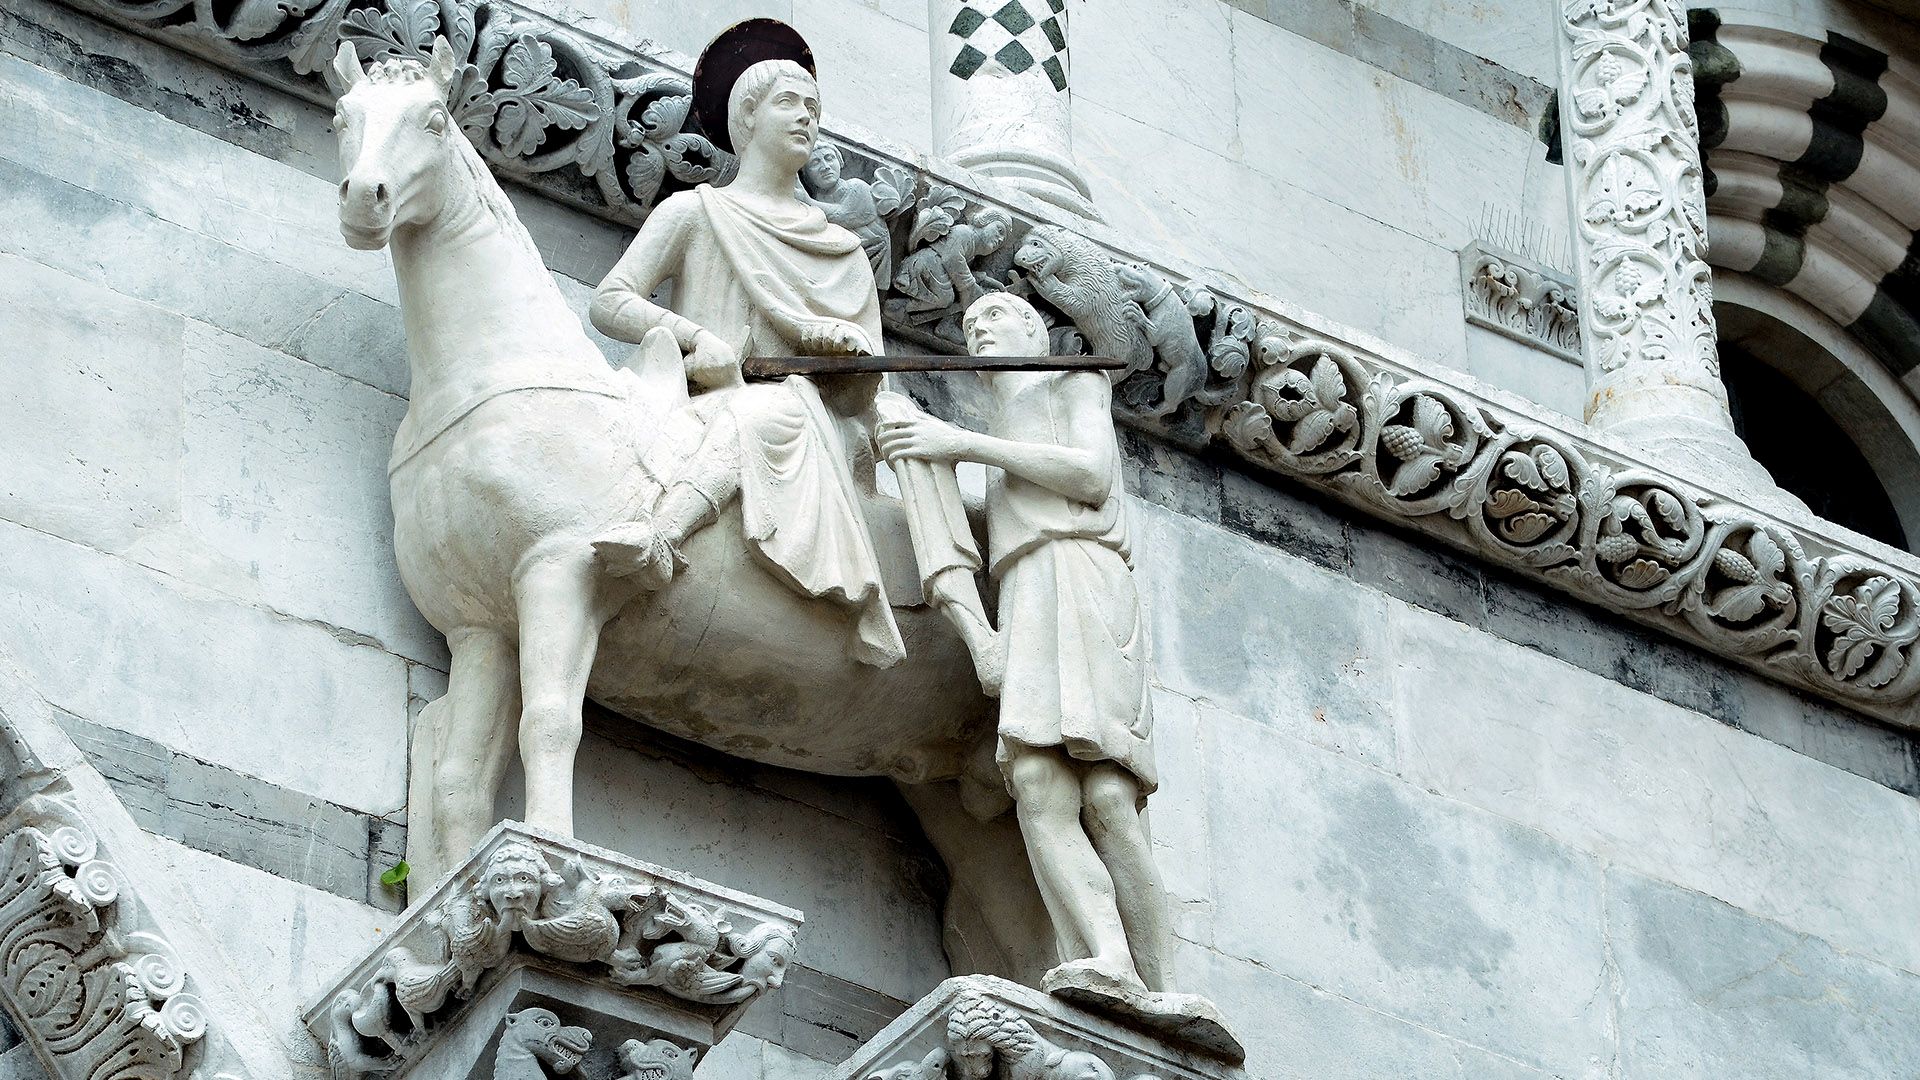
(459, 753)
(561, 614)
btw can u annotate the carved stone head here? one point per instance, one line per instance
(822, 171)
(774, 109)
(514, 881)
(540, 1034)
(394, 131)
(1002, 324)
(768, 949)
(655, 1059)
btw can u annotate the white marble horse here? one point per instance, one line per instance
(519, 446)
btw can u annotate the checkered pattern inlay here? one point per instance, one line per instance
(1006, 32)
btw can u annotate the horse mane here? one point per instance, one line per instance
(492, 196)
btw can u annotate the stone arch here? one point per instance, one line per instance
(1811, 141)
(1833, 370)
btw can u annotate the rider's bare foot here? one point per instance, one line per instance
(635, 550)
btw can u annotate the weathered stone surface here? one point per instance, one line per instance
(1259, 634)
(91, 423)
(1295, 1029)
(286, 215)
(240, 686)
(1655, 788)
(153, 260)
(288, 938)
(1706, 989)
(1435, 913)
(244, 819)
(285, 494)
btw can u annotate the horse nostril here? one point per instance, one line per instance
(380, 193)
(343, 187)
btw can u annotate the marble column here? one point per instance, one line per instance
(1001, 95)
(1634, 183)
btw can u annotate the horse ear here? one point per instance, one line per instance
(346, 64)
(440, 67)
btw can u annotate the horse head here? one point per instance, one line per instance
(395, 133)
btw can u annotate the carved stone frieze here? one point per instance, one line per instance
(97, 995)
(981, 1028)
(1518, 297)
(1416, 444)
(694, 954)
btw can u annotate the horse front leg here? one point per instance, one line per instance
(461, 745)
(560, 619)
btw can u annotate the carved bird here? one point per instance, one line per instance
(578, 922)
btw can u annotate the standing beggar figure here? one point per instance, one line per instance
(760, 271)
(1074, 709)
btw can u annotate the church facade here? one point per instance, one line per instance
(1516, 409)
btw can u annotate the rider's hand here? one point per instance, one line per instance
(713, 363)
(922, 437)
(834, 339)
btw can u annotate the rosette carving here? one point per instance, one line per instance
(1303, 412)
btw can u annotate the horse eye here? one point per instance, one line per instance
(437, 122)
(339, 121)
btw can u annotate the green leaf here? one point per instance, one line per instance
(395, 874)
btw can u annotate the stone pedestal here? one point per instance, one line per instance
(541, 947)
(979, 1027)
(1002, 98)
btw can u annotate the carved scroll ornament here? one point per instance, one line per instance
(1412, 443)
(103, 999)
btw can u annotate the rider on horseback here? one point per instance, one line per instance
(758, 271)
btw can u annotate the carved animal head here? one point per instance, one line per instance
(540, 1033)
(1137, 282)
(1043, 250)
(395, 136)
(774, 108)
(656, 1059)
(515, 879)
(1002, 324)
(767, 948)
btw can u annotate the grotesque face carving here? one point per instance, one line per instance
(515, 879)
(655, 1059)
(540, 1032)
(1001, 324)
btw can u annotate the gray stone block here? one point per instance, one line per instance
(153, 260)
(1419, 572)
(1344, 878)
(257, 692)
(1707, 990)
(1658, 789)
(1170, 477)
(243, 819)
(1264, 635)
(92, 418)
(1295, 1031)
(1265, 509)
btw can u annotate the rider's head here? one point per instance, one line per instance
(1002, 324)
(774, 107)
